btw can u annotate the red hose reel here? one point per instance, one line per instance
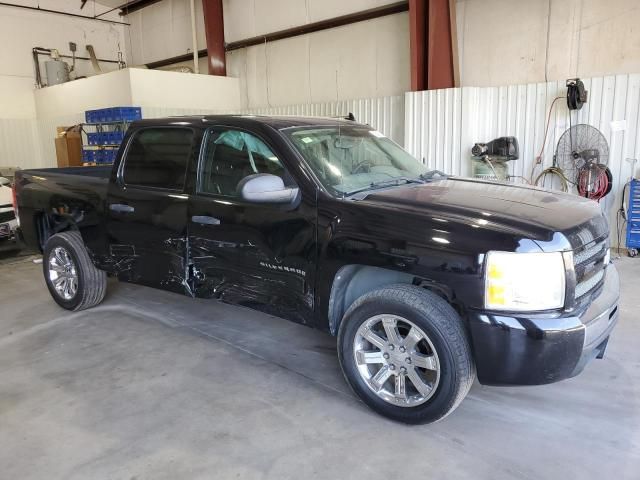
(594, 181)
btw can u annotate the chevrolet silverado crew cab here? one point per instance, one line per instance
(426, 280)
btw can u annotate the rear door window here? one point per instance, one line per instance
(158, 158)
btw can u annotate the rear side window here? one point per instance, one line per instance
(157, 157)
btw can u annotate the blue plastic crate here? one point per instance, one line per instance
(113, 114)
(124, 114)
(116, 137)
(93, 138)
(90, 116)
(107, 115)
(105, 156)
(113, 138)
(88, 156)
(128, 114)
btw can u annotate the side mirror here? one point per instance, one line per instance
(4, 181)
(266, 188)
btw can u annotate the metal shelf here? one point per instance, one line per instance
(99, 147)
(112, 122)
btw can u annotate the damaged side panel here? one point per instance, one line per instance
(148, 245)
(259, 256)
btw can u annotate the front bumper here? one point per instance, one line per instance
(535, 350)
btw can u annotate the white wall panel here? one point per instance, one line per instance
(21, 30)
(365, 59)
(511, 42)
(385, 114)
(18, 145)
(441, 126)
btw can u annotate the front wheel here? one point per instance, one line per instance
(72, 279)
(404, 352)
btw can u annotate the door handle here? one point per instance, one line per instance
(205, 220)
(121, 207)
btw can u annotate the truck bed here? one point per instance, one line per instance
(78, 193)
(84, 172)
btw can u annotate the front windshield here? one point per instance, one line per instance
(350, 158)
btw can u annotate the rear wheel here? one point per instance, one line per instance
(72, 279)
(405, 353)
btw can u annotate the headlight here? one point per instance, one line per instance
(524, 281)
(607, 256)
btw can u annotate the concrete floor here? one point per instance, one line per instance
(155, 385)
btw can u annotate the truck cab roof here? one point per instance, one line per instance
(276, 122)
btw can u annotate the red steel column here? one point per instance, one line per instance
(431, 44)
(440, 46)
(417, 43)
(214, 31)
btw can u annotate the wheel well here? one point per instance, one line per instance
(48, 225)
(353, 281)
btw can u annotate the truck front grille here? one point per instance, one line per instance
(588, 253)
(589, 267)
(7, 216)
(588, 285)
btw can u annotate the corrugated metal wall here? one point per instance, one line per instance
(441, 126)
(19, 143)
(385, 114)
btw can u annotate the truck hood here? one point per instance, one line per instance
(554, 220)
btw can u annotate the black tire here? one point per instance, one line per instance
(444, 327)
(92, 283)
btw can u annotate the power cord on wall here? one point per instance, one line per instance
(539, 160)
(553, 171)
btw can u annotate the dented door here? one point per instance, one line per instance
(146, 209)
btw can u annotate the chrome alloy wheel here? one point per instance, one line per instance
(63, 273)
(396, 360)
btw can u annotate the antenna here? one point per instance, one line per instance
(340, 135)
(266, 70)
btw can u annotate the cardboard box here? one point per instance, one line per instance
(69, 146)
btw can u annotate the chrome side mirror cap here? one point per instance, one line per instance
(266, 188)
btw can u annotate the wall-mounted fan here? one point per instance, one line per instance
(583, 154)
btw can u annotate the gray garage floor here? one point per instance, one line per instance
(156, 385)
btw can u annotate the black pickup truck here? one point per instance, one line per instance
(425, 279)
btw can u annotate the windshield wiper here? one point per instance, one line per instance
(392, 182)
